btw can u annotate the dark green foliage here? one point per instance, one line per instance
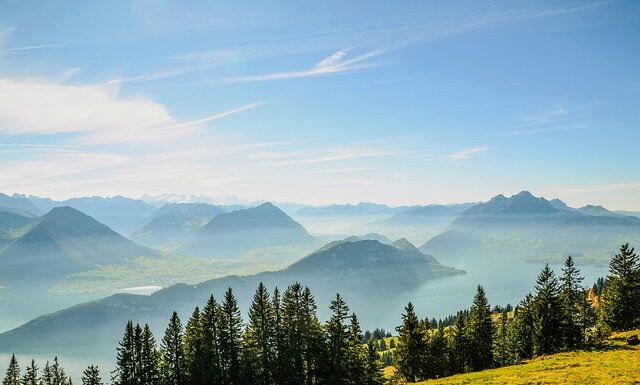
(194, 363)
(458, 346)
(622, 290)
(172, 365)
(356, 360)
(211, 352)
(337, 343)
(230, 339)
(410, 351)
(372, 366)
(31, 375)
(259, 338)
(54, 374)
(501, 348)
(572, 298)
(547, 324)
(521, 330)
(12, 375)
(91, 376)
(438, 354)
(480, 330)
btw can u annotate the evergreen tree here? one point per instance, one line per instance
(572, 298)
(521, 330)
(57, 374)
(355, 353)
(410, 350)
(292, 330)
(547, 325)
(480, 329)
(622, 290)
(312, 338)
(91, 376)
(211, 321)
(149, 358)
(382, 345)
(501, 343)
(193, 350)
(124, 373)
(337, 342)
(372, 368)
(260, 336)
(438, 354)
(281, 351)
(31, 375)
(47, 378)
(172, 363)
(392, 343)
(230, 339)
(12, 375)
(458, 345)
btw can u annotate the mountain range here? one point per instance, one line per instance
(525, 226)
(232, 234)
(62, 242)
(351, 267)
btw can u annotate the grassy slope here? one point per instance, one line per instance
(614, 363)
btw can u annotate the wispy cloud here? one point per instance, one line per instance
(9, 51)
(554, 119)
(465, 154)
(97, 114)
(338, 62)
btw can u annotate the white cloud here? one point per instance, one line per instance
(98, 114)
(465, 154)
(8, 51)
(333, 64)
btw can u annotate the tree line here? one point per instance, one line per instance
(559, 316)
(284, 343)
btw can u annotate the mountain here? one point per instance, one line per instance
(11, 226)
(120, 213)
(65, 241)
(423, 215)
(18, 204)
(356, 269)
(536, 229)
(362, 208)
(175, 223)
(198, 211)
(600, 211)
(232, 234)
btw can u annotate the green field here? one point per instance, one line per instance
(613, 363)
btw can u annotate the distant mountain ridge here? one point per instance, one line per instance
(325, 271)
(231, 234)
(65, 241)
(534, 228)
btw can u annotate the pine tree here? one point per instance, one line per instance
(355, 352)
(149, 358)
(501, 343)
(260, 340)
(193, 350)
(372, 368)
(281, 350)
(480, 332)
(230, 339)
(47, 378)
(91, 376)
(521, 330)
(312, 338)
(458, 345)
(12, 375)
(337, 342)
(547, 330)
(172, 363)
(57, 374)
(572, 297)
(438, 354)
(124, 373)
(410, 349)
(211, 323)
(622, 290)
(31, 375)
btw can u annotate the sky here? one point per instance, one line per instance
(410, 102)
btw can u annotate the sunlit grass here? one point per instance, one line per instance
(613, 363)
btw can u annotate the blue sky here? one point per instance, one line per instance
(321, 102)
